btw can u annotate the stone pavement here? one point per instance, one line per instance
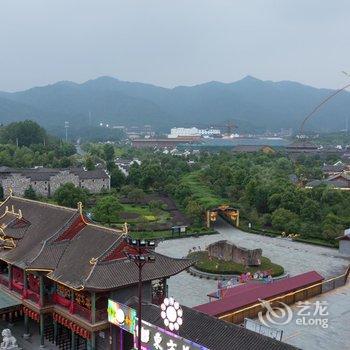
(33, 343)
(315, 337)
(295, 257)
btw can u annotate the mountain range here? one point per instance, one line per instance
(253, 104)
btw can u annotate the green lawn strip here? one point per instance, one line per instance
(144, 215)
(215, 265)
(201, 192)
(310, 240)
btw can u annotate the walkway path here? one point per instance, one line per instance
(296, 258)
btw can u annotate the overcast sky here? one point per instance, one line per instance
(173, 42)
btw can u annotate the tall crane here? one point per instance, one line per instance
(323, 102)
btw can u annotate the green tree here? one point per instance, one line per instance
(118, 179)
(106, 209)
(124, 190)
(195, 211)
(332, 227)
(30, 193)
(68, 195)
(108, 152)
(23, 133)
(136, 195)
(89, 164)
(284, 220)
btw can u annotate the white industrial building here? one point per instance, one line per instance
(190, 132)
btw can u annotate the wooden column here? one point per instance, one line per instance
(42, 328)
(71, 308)
(10, 275)
(42, 291)
(25, 282)
(26, 334)
(93, 307)
(74, 341)
(55, 331)
(93, 341)
(208, 218)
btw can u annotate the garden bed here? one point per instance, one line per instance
(217, 266)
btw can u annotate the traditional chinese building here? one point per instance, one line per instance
(59, 271)
(45, 181)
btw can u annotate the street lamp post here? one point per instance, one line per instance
(139, 252)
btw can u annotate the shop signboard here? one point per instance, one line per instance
(122, 316)
(157, 338)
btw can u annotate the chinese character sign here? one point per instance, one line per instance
(122, 316)
(156, 338)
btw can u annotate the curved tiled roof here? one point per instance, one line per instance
(73, 251)
(213, 333)
(122, 272)
(45, 220)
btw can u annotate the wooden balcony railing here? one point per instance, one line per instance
(17, 287)
(101, 315)
(32, 296)
(58, 299)
(81, 311)
(73, 307)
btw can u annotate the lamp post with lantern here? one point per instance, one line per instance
(139, 251)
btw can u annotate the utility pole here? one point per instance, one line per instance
(66, 126)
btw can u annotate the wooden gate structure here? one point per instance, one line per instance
(229, 213)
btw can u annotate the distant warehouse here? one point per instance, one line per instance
(163, 143)
(45, 181)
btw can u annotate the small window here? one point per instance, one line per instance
(34, 182)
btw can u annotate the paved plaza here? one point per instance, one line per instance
(295, 257)
(33, 343)
(315, 337)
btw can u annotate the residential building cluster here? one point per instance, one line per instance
(45, 181)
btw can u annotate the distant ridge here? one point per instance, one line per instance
(254, 104)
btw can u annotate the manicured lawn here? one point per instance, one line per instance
(215, 265)
(133, 213)
(202, 192)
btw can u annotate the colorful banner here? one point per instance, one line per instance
(122, 316)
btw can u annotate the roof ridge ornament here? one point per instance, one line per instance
(10, 191)
(93, 261)
(80, 208)
(125, 228)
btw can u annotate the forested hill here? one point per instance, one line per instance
(254, 104)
